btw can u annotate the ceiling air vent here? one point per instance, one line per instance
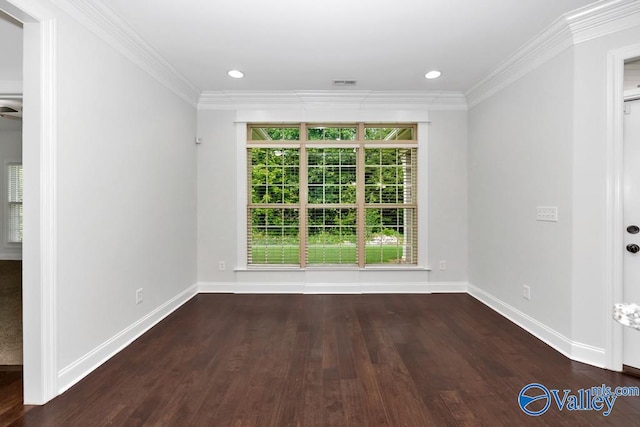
(345, 82)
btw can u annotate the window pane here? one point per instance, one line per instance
(331, 175)
(387, 184)
(274, 236)
(391, 236)
(390, 175)
(274, 134)
(331, 133)
(332, 236)
(14, 195)
(274, 175)
(389, 133)
(15, 222)
(15, 183)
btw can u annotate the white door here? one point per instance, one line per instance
(631, 290)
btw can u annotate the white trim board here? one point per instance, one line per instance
(330, 99)
(331, 288)
(39, 150)
(83, 366)
(71, 374)
(595, 20)
(337, 113)
(592, 21)
(48, 190)
(573, 350)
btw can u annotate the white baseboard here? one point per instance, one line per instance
(216, 288)
(10, 257)
(449, 287)
(573, 350)
(588, 354)
(332, 288)
(77, 370)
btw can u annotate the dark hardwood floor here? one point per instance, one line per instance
(327, 360)
(11, 408)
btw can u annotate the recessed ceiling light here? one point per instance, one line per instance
(432, 74)
(236, 74)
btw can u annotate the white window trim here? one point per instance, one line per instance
(333, 116)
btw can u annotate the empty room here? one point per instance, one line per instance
(338, 213)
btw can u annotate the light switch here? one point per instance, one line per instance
(547, 213)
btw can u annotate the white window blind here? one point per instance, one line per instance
(15, 186)
(323, 194)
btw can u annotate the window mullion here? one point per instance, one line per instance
(346, 177)
(360, 197)
(302, 194)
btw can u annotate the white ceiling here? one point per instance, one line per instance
(305, 44)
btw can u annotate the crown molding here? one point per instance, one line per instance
(596, 20)
(102, 20)
(590, 22)
(10, 87)
(356, 100)
(602, 19)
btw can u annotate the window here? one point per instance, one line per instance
(332, 194)
(14, 172)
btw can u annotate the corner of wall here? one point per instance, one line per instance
(83, 366)
(573, 350)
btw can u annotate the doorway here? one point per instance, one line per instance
(10, 242)
(39, 157)
(11, 331)
(631, 211)
(617, 235)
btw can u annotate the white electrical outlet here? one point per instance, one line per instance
(443, 265)
(222, 265)
(526, 292)
(139, 296)
(547, 213)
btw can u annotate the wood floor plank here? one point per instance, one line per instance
(324, 360)
(333, 402)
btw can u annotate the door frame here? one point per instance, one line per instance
(40, 224)
(615, 201)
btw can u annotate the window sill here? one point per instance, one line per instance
(333, 268)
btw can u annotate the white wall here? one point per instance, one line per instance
(520, 157)
(590, 185)
(140, 206)
(126, 199)
(447, 203)
(218, 217)
(10, 152)
(543, 141)
(11, 49)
